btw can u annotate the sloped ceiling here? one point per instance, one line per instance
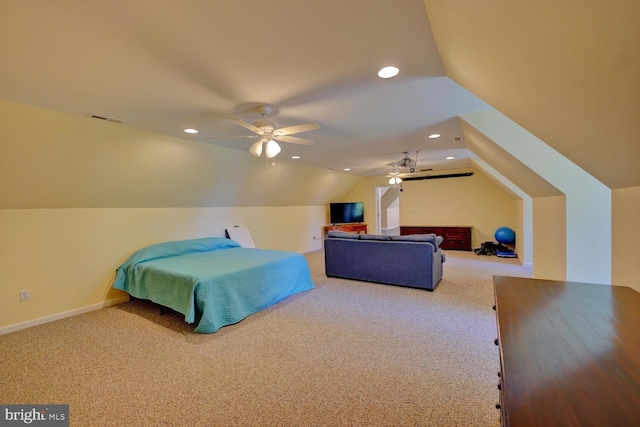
(510, 167)
(169, 65)
(50, 159)
(566, 71)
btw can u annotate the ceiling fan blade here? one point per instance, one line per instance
(293, 140)
(230, 137)
(246, 125)
(297, 129)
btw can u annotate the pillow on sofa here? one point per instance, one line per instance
(416, 238)
(431, 238)
(342, 234)
(374, 237)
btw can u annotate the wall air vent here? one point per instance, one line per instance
(106, 119)
(451, 175)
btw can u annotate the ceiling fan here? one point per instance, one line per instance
(408, 162)
(268, 133)
(395, 177)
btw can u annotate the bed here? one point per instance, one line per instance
(213, 281)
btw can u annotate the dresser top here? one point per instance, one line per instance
(570, 353)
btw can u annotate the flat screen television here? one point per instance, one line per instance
(344, 213)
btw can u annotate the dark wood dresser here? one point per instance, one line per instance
(456, 238)
(569, 353)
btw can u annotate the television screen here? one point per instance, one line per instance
(341, 213)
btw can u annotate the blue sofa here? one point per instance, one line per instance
(414, 260)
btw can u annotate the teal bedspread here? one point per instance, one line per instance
(213, 281)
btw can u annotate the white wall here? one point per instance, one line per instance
(524, 210)
(588, 201)
(393, 215)
(549, 243)
(466, 201)
(390, 208)
(50, 159)
(78, 196)
(67, 258)
(626, 237)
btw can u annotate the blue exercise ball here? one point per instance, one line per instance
(505, 235)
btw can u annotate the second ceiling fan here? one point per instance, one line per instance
(268, 133)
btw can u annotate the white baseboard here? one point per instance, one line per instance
(64, 314)
(308, 250)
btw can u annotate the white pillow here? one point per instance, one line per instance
(241, 235)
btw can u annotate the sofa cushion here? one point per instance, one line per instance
(374, 237)
(416, 238)
(342, 234)
(431, 238)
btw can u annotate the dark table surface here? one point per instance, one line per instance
(570, 353)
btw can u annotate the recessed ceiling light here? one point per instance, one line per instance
(450, 158)
(388, 72)
(434, 135)
(346, 169)
(191, 131)
(295, 157)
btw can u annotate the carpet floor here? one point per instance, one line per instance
(346, 353)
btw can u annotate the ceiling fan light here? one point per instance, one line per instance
(256, 149)
(395, 180)
(272, 149)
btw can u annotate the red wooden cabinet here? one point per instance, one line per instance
(455, 238)
(350, 228)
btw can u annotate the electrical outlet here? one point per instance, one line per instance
(24, 295)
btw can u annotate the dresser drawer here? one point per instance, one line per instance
(458, 233)
(438, 231)
(455, 238)
(461, 245)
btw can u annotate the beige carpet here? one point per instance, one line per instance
(347, 353)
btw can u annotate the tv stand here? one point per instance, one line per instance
(350, 228)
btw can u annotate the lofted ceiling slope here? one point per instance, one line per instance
(167, 66)
(568, 72)
(507, 165)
